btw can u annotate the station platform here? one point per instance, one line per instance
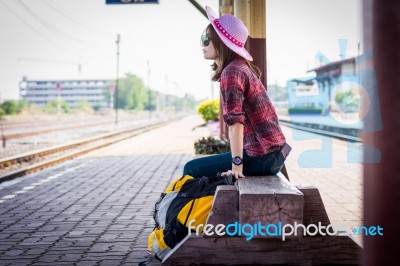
(97, 209)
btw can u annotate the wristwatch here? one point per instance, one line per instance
(237, 160)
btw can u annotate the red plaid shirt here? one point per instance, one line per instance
(245, 101)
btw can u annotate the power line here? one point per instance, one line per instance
(73, 19)
(46, 60)
(49, 26)
(39, 33)
(51, 61)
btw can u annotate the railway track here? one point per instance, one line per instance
(25, 134)
(22, 164)
(333, 132)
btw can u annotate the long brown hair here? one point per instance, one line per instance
(226, 55)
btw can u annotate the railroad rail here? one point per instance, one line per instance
(347, 134)
(39, 159)
(26, 163)
(45, 131)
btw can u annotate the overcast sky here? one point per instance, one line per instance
(47, 39)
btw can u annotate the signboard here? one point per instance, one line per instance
(112, 2)
(306, 90)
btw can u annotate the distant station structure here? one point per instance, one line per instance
(73, 92)
(319, 94)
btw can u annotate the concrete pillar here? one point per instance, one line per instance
(225, 7)
(382, 180)
(253, 15)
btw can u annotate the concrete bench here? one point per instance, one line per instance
(268, 200)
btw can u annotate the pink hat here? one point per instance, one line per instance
(232, 32)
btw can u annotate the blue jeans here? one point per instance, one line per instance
(210, 166)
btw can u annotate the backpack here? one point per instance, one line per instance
(184, 200)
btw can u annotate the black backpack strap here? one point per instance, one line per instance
(195, 195)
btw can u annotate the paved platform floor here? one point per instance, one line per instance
(96, 210)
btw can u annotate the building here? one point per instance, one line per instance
(320, 92)
(304, 94)
(73, 92)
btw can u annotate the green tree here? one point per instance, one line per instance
(132, 94)
(151, 100)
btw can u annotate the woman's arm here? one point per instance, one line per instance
(236, 142)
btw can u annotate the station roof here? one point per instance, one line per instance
(332, 65)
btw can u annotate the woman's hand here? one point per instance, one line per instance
(236, 172)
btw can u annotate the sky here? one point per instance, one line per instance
(49, 39)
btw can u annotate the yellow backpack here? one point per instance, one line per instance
(186, 200)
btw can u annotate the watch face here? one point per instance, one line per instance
(237, 160)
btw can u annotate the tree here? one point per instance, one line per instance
(151, 100)
(132, 94)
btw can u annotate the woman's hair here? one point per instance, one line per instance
(225, 55)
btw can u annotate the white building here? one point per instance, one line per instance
(40, 92)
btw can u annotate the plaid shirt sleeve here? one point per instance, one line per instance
(232, 85)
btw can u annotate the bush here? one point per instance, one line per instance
(305, 110)
(96, 107)
(2, 113)
(209, 109)
(23, 105)
(211, 145)
(84, 106)
(51, 107)
(10, 107)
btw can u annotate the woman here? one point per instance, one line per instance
(256, 139)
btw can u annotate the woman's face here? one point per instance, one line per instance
(208, 47)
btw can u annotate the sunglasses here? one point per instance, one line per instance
(205, 40)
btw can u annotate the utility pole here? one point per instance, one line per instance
(58, 91)
(148, 76)
(116, 83)
(166, 92)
